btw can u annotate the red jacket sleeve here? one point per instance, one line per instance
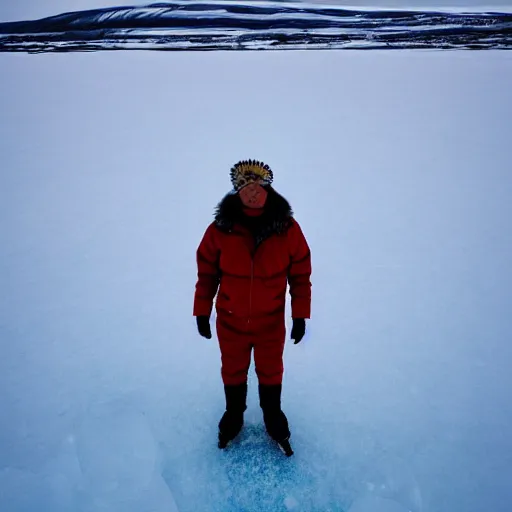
(299, 273)
(208, 273)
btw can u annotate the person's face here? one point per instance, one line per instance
(253, 196)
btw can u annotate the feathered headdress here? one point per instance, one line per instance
(250, 171)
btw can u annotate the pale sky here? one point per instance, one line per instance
(34, 9)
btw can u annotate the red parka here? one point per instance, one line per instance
(248, 269)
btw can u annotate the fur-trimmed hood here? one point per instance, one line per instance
(276, 218)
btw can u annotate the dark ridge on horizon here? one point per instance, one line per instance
(256, 25)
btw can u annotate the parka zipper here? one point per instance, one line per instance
(250, 289)
(253, 255)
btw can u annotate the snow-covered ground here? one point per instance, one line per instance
(397, 165)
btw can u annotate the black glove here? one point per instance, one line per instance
(203, 326)
(298, 330)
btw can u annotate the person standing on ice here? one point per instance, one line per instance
(247, 256)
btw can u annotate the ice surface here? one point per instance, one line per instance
(373, 504)
(397, 166)
(156, 497)
(21, 490)
(392, 478)
(116, 450)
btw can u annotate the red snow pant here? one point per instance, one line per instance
(239, 336)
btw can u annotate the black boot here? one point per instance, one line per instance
(275, 420)
(232, 420)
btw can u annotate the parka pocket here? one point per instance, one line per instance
(270, 294)
(276, 282)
